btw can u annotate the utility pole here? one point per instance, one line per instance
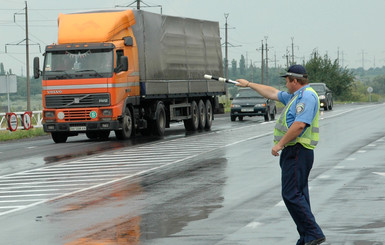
(262, 63)
(226, 53)
(286, 57)
(267, 62)
(338, 54)
(138, 6)
(363, 60)
(27, 59)
(292, 50)
(275, 60)
(227, 44)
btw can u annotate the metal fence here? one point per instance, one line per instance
(36, 120)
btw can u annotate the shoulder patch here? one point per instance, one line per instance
(300, 108)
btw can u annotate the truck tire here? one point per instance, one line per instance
(202, 114)
(160, 120)
(126, 131)
(59, 137)
(192, 123)
(209, 115)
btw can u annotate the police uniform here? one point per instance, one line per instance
(297, 158)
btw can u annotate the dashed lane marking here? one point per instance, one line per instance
(29, 188)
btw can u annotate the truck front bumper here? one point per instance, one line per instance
(81, 126)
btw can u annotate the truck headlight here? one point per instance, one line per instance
(107, 112)
(49, 114)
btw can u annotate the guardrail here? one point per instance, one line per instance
(36, 120)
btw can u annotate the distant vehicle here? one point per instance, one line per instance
(325, 95)
(250, 103)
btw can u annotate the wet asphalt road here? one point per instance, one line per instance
(216, 187)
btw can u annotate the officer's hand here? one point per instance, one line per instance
(242, 83)
(276, 149)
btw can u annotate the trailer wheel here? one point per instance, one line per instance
(192, 123)
(202, 115)
(209, 115)
(126, 131)
(160, 119)
(59, 137)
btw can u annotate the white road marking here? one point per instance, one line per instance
(280, 204)
(382, 174)
(253, 225)
(69, 178)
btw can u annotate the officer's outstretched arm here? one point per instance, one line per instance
(266, 91)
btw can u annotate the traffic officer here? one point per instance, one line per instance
(296, 135)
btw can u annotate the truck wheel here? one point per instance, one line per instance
(192, 124)
(126, 131)
(209, 115)
(59, 137)
(202, 114)
(233, 118)
(160, 120)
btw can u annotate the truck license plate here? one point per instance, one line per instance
(247, 109)
(78, 128)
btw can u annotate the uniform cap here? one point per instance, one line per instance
(296, 71)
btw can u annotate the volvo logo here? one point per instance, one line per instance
(54, 92)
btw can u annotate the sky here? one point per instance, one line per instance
(348, 30)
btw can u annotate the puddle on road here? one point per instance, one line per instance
(156, 205)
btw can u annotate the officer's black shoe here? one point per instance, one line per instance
(316, 242)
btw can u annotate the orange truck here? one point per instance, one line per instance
(129, 71)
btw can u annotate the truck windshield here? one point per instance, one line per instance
(69, 64)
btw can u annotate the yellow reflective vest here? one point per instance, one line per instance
(309, 138)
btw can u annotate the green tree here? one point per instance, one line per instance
(337, 78)
(378, 84)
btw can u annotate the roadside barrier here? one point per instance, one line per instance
(25, 120)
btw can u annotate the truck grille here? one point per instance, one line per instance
(77, 115)
(77, 100)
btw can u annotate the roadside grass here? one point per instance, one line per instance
(21, 134)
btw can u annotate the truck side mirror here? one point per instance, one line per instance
(128, 41)
(123, 66)
(36, 67)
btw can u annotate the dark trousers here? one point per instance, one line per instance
(296, 162)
